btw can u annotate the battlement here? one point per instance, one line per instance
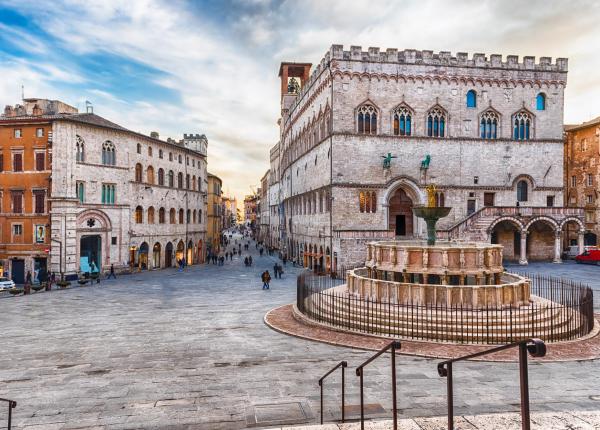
(192, 136)
(445, 58)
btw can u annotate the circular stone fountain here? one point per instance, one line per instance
(446, 291)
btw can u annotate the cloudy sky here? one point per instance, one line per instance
(211, 66)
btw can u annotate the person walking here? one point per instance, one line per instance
(250, 260)
(266, 278)
(112, 272)
(275, 270)
(246, 261)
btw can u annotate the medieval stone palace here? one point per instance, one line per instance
(365, 132)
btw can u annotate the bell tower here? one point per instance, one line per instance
(293, 77)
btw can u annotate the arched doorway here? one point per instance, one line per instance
(180, 252)
(541, 240)
(90, 254)
(143, 256)
(321, 260)
(199, 256)
(508, 234)
(156, 255)
(327, 260)
(190, 253)
(400, 215)
(169, 254)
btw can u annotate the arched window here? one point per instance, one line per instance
(187, 181)
(151, 215)
(139, 148)
(194, 182)
(139, 215)
(402, 122)
(171, 179)
(149, 151)
(194, 216)
(367, 201)
(180, 180)
(522, 191)
(138, 172)
(170, 156)
(440, 199)
(161, 177)
(161, 216)
(150, 175)
(108, 154)
(540, 101)
(172, 216)
(436, 123)
(180, 216)
(179, 158)
(522, 126)
(199, 216)
(471, 99)
(160, 153)
(188, 218)
(367, 119)
(80, 148)
(488, 126)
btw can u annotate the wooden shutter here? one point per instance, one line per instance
(40, 161)
(1, 162)
(18, 162)
(17, 198)
(39, 197)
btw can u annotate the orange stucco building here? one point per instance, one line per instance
(25, 168)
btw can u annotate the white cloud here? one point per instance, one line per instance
(224, 68)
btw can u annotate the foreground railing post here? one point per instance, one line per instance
(394, 406)
(343, 365)
(343, 393)
(524, 382)
(11, 405)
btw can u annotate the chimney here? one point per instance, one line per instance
(154, 134)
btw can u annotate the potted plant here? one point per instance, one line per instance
(38, 287)
(15, 291)
(82, 281)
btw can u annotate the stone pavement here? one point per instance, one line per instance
(539, 421)
(170, 350)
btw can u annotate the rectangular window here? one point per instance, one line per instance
(17, 202)
(475, 180)
(160, 153)
(1, 162)
(40, 161)
(590, 198)
(108, 194)
(18, 133)
(113, 240)
(573, 181)
(17, 161)
(39, 132)
(80, 192)
(590, 217)
(590, 180)
(17, 229)
(470, 207)
(549, 201)
(39, 197)
(488, 199)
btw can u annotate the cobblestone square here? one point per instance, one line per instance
(177, 350)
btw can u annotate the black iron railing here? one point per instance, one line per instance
(343, 365)
(11, 405)
(564, 311)
(533, 347)
(393, 346)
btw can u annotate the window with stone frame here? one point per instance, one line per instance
(108, 194)
(160, 153)
(151, 215)
(40, 160)
(522, 191)
(139, 215)
(436, 122)
(79, 149)
(172, 216)
(522, 126)
(80, 188)
(39, 201)
(161, 216)
(366, 119)
(1, 162)
(367, 201)
(590, 180)
(16, 201)
(180, 216)
(161, 176)
(17, 161)
(149, 151)
(138, 172)
(488, 125)
(108, 154)
(39, 132)
(150, 175)
(180, 180)
(139, 148)
(402, 121)
(170, 156)
(573, 181)
(590, 199)
(171, 179)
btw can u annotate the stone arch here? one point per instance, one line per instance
(410, 188)
(524, 176)
(516, 222)
(93, 230)
(571, 219)
(96, 214)
(546, 219)
(156, 253)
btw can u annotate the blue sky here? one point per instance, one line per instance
(210, 67)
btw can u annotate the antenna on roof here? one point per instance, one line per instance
(89, 108)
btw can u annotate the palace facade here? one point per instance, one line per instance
(487, 131)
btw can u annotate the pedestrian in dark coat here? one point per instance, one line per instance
(266, 278)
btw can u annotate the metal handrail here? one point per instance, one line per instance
(393, 345)
(535, 347)
(11, 405)
(343, 365)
